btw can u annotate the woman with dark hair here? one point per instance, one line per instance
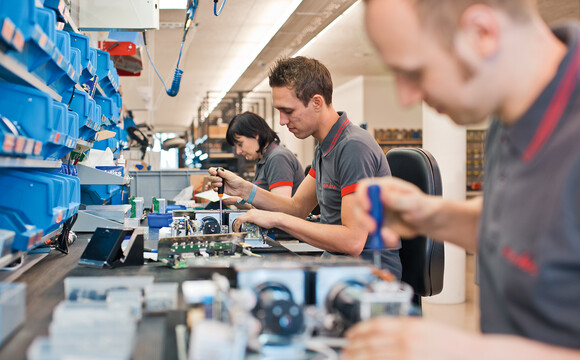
(277, 170)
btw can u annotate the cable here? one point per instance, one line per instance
(174, 90)
(215, 11)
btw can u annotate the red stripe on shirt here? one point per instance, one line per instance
(281, 183)
(348, 189)
(337, 135)
(555, 109)
(312, 173)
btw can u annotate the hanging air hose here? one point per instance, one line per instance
(178, 72)
(216, 12)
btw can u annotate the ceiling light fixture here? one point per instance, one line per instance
(172, 4)
(330, 26)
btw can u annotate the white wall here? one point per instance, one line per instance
(373, 99)
(349, 97)
(382, 108)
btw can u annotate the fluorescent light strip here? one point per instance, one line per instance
(314, 39)
(172, 4)
(244, 65)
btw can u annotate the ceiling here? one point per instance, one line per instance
(217, 45)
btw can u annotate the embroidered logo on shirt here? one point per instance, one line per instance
(329, 186)
(522, 261)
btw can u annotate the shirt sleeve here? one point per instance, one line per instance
(279, 171)
(359, 161)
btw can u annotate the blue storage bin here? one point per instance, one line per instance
(58, 6)
(87, 57)
(36, 196)
(26, 235)
(21, 14)
(105, 72)
(14, 141)
(98, 194)
(158, 220)
(106, 105)
(83, 105)
(69, 198)
(68, 76)
(32, 111)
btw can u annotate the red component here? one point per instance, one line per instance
(128, 73)
(118, 47)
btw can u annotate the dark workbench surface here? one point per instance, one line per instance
(45, 289)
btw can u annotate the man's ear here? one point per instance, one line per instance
(478, 35)
(317, 102)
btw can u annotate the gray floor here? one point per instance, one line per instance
(465, 315)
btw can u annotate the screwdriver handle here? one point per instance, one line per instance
(375, 241)
(221, 188)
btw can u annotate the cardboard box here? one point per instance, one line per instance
(218, 131)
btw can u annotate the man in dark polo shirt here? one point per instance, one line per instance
(302, 91)
(471, 59)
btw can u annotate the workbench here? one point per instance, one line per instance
(45, 290)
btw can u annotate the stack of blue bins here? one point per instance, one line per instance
(33, 125)
(35, 115)
(36, 202)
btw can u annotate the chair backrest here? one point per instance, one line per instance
(422, 258)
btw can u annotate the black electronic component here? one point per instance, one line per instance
(277, 311)
(210, 225)
(344, 301)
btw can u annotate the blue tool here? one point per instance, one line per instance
(375, 240)
(221, 195)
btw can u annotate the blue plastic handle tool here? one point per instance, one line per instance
(375, 242)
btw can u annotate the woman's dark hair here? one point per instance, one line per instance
(249, 125)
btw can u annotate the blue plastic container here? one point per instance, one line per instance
(21, 14)
(83, 105)
(26, 235)
(158, 220)
(87, 57)
(98, 194)
(106, 105)
(32, 111)
(43, 199)
(58, 6)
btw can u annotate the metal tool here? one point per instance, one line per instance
(375, 241)
(221, 195)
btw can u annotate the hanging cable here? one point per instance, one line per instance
(192, 6)
(216, 12)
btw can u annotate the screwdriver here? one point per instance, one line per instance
(221, 195)
(375, 241)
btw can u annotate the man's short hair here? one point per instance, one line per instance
(306, 76)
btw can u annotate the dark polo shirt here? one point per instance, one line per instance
(529, 237)
(347, 155)
(278, 167)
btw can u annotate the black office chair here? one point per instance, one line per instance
(422, 258)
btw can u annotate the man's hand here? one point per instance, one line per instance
(234, 185)
(264, 219)
(406, 338)
(407, 209)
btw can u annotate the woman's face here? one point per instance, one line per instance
(247, 146)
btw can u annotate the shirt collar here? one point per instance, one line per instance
(533, 129)
(267, 152)
(334, 133)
